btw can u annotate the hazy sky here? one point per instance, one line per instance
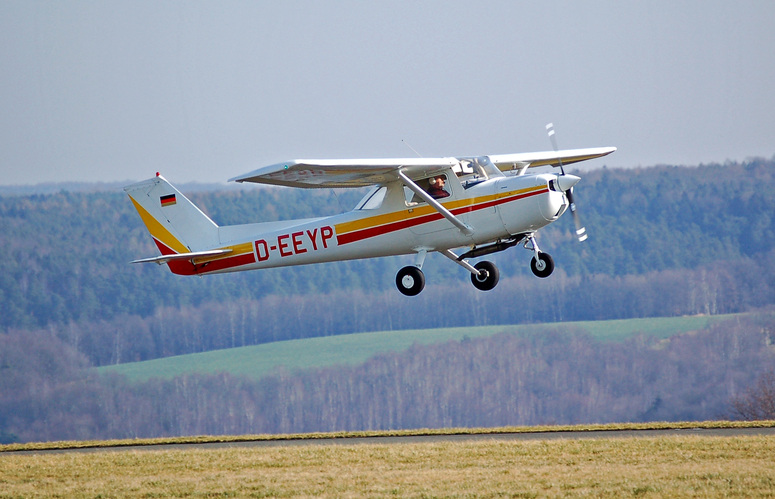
(204, 91)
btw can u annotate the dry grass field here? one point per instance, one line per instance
(679, 466)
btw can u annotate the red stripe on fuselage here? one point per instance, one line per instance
(227, 263)
(185, 267)
(359, 235)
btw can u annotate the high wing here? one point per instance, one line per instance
(335, 173)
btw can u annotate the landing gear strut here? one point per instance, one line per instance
(484, 275)
(410, 280)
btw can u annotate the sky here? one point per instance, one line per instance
(107, 91)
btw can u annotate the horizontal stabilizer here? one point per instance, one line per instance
(182, 256)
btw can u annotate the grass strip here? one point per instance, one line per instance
(672, 466)
(97, 444)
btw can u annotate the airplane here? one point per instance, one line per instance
(482, 204)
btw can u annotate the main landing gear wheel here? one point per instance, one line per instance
(410, 280)
(487, 278)
(543, 266)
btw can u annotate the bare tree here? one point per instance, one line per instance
(758, 401)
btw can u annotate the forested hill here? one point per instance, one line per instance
(678, 232)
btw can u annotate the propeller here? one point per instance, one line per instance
(581, 231)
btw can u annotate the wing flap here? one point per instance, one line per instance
(334, 173)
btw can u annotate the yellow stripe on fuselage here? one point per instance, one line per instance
(424, 209)
(236, 250)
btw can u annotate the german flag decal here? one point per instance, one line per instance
(168, 200)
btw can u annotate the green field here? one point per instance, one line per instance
(260, 360)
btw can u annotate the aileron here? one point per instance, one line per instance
(548, 158)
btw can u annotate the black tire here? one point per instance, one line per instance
(544, 266)
(410, 281)
(488, 279)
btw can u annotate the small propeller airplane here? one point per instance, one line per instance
(483, 204)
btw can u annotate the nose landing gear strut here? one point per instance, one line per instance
(542, 263)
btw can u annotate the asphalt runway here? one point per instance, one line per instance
(392, 440)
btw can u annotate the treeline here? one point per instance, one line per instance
(717, 288)
(66, 258)
(66, 255)
(561, 377)
(665, 241)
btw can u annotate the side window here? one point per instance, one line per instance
(436, 186)
(373, 199)
(411, 198)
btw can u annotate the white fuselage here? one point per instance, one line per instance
(496, 209)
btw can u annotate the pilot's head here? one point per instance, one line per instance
(438, 181)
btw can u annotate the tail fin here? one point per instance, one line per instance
(175, 223)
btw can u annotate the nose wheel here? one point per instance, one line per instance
(542, 264)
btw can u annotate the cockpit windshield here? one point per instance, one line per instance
(473, 170)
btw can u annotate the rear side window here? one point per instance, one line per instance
(373, 199)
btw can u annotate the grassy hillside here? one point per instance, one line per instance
(259, 360)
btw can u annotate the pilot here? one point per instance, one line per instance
(436, 189)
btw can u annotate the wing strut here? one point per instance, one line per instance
(464, 228)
